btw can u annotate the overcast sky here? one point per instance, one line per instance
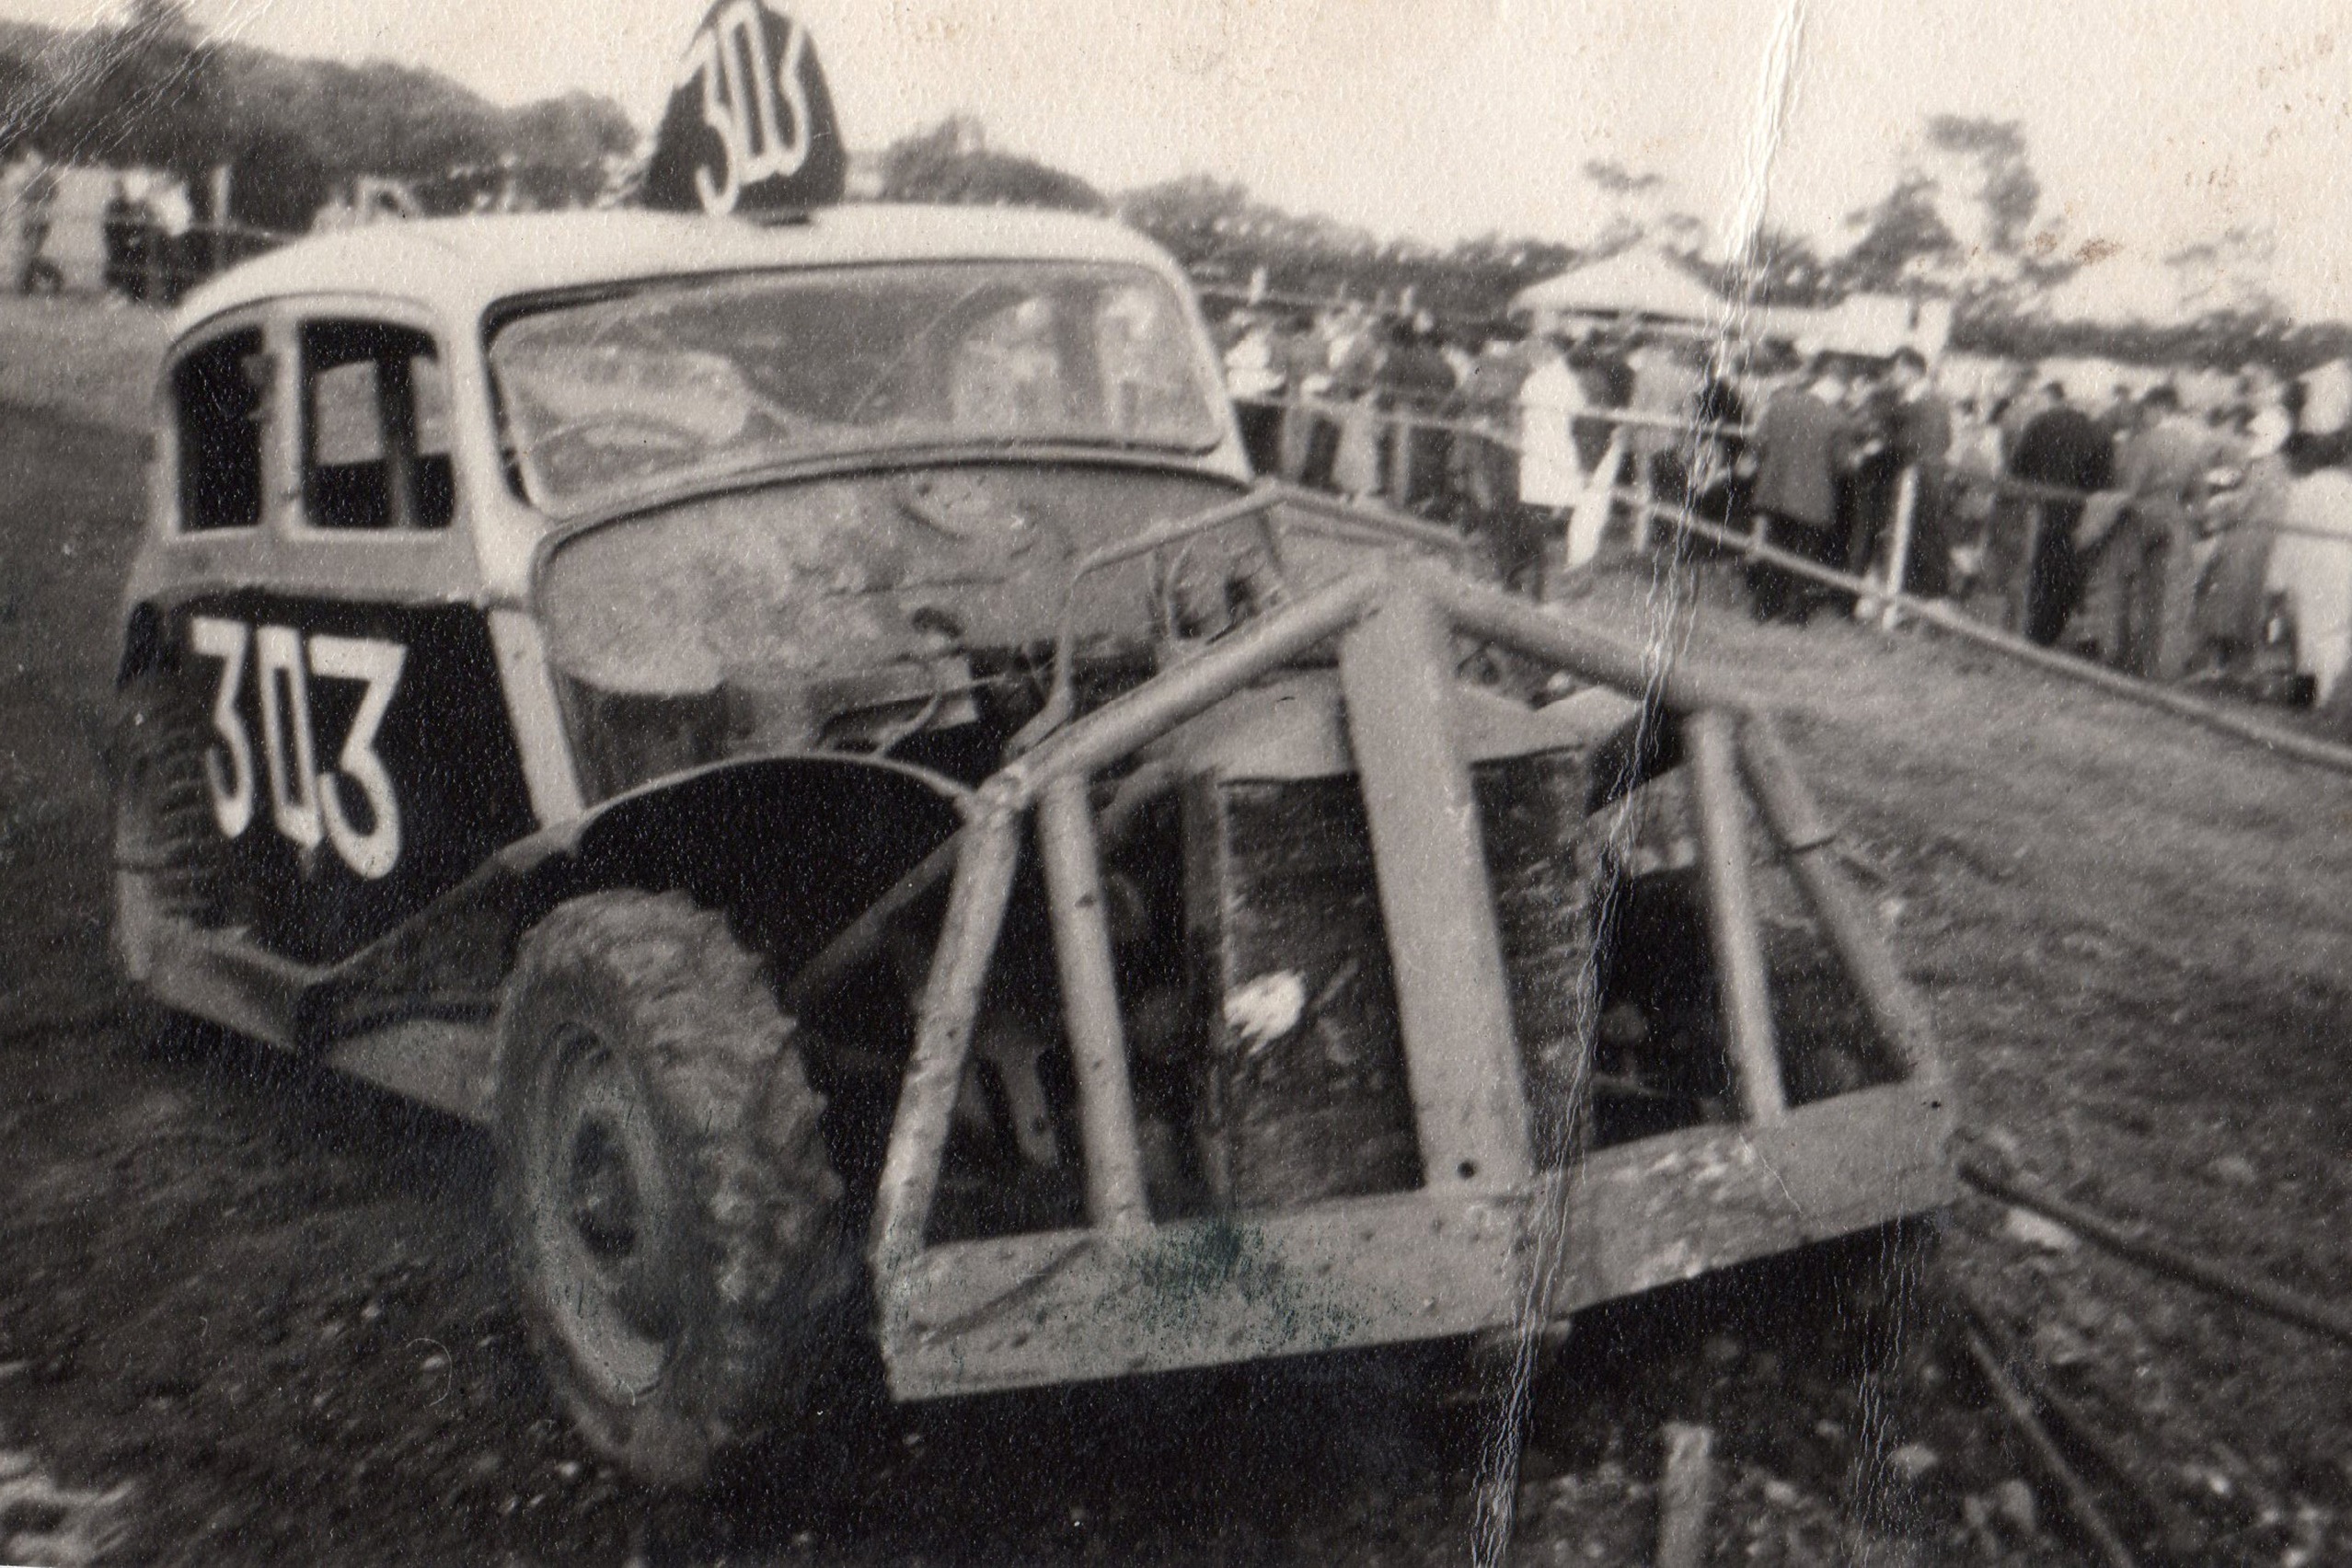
(2153, 123)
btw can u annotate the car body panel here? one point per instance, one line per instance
(472, 728)
(458, 268)
(417, 740)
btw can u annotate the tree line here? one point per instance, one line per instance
(1962, 220)
(149, 90)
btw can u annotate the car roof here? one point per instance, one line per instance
(457, 267)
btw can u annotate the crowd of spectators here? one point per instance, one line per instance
(2212, 542)
(1507, 438)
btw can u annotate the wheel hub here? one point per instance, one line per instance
(602, 1207)
(601, 1200)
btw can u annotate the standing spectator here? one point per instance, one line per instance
(174, 219)
(1357, 466)
(139, 250)
(2232, 599)
(2306, 569)
(1712, 486)
(2024, 404)
(1971, 499)
(2149, 557)
(2122, 416)
(2123, 552)
(1551, 474)
(1920, 437)
(1866, 488)
(1665, 389)
(1253, 382)
(2063, 447)
(1418, 383)
(1800, 447)
(118, 226)
(1486, 470)
(1305, 375)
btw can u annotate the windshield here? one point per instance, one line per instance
(677, 379)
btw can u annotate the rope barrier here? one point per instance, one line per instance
(2285, 743)
(2008, 485)
(2274, 739)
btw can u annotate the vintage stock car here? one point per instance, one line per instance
(802, 723)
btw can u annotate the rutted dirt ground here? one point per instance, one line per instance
(273, 1305)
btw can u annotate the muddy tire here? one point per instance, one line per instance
(167, 852)
(164, 830)
(671, 1211)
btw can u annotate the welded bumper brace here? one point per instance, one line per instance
(1126, 1295)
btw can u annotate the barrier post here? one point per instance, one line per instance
(220, 219)
(1647, 536)
(1397, 485)
(2021, 602)
(1898, 551)
(1589, 517)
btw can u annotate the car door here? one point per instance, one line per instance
(361, 761)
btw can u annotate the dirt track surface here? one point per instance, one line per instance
(273, 1305)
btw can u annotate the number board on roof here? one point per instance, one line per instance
(750, 126)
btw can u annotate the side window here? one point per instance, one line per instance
(219, 395)
(375, 429)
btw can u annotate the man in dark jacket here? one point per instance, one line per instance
(118, 224)
(1418, 382)
(1919, 436)
(2065, 448)
(1800, 449)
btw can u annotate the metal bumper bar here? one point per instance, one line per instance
(1126, 1295)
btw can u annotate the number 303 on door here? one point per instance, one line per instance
(307, 805)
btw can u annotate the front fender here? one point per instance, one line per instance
(793, 845)
(789, 847)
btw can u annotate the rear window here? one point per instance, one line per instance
(219, 394)
(375, 429)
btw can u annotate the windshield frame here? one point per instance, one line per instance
(762, 466)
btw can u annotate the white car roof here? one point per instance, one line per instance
(458, 267)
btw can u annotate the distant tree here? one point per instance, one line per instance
(1785, 269)
(953, 163)
(141, 91)
(148, 88)
(2005, 182)
(163, 21)
(419, 126)
(563, 147)
(1194, 216)
(393, 120)
(277, 179)
(1619, 180)
(1899, 231)
(28, 92)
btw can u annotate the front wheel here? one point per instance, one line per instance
(672, 1213)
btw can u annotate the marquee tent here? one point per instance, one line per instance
(1640, 282)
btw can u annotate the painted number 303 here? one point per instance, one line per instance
(349, 805)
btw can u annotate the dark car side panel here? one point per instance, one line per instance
(359, 761)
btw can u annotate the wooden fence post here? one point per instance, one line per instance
(1589, 517)
(2022, 606)
(1898, 549)
(220, 219)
